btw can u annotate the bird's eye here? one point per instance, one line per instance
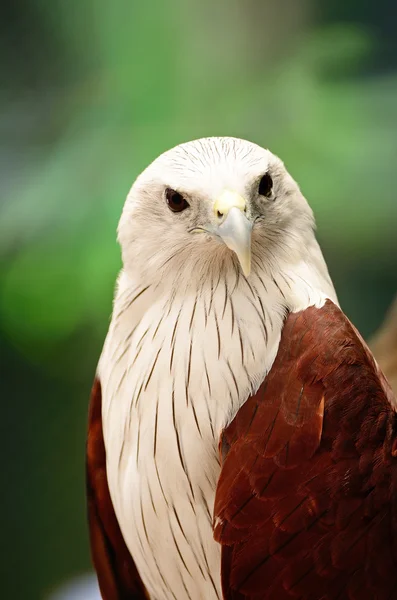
(176, 202)
(265, 185)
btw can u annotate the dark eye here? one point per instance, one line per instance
(265, 185)
(176, 202)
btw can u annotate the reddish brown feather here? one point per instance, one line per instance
(117, 575)
(306, 503)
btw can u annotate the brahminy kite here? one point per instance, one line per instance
(242, 440)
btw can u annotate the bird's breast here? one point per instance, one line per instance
(169, 389)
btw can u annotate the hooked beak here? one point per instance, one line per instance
(235, 229)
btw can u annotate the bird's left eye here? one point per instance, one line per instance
(176, 202)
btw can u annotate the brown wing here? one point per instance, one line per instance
(306, 504)
(117, 575)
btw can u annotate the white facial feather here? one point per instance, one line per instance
(190, 339)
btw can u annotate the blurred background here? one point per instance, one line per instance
(90, 93)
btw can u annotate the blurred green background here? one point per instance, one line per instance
(90, 93)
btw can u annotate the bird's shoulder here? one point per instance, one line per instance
(305, 497)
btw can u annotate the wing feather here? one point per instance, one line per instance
(306, 503)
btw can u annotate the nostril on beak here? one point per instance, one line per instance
(220, 214)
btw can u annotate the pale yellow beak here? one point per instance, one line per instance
(234, 229)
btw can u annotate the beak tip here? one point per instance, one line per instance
(245, 266)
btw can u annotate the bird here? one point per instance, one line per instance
(242, 439)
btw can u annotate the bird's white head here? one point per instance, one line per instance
(214, 203)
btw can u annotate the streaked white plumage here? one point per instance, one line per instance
(190, 339)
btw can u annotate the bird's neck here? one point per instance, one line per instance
(195, 325)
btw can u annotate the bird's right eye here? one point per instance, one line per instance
(176, 202)
(265, 185)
